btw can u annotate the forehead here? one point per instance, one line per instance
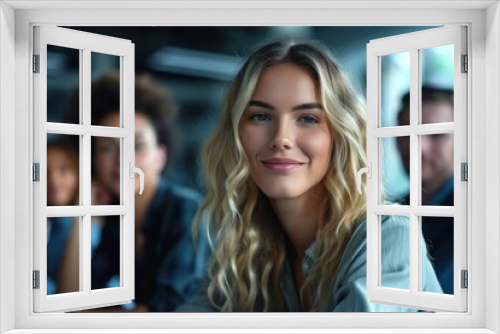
(286, 83)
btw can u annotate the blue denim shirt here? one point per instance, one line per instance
(169, 266)
(438, 234)
(349, 288)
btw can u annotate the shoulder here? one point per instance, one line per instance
(394, 230)
(180, 193)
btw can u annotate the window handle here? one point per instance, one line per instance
(138, 171)
(368, 171)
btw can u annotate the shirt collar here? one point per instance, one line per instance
(309, 257)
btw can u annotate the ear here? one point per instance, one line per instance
(161, 159)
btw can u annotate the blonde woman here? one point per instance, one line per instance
(289, 225)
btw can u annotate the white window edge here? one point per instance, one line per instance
(24, 320)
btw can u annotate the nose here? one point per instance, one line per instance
(281, 138)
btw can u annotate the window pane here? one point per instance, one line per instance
(63, 247)
(437, 84)
(395, 77)
(395, 256)
(106, 247)
(395, 169)
(105, 95)
(63, 170)
(106, 171)
(438, 235)
(63, 71)
(437, 169)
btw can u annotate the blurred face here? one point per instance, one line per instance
(149, 156)
(62, 177)
(285, 133)
(437, 150)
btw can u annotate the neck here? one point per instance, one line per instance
(432, 187)
(143, 202)
(299, 218)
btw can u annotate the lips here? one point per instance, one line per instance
(281, 164)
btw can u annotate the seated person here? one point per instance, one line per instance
(437, 177)
(167, 263)
(281, 197)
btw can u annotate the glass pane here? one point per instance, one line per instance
(106, 170)
(63, 79)
(395, 256)
(437, 169)
(105, 95)
(395, 169)
(395, 77)
(438, 235)
(437, 84)
(63, 170)
(63, 255)
(106, 241)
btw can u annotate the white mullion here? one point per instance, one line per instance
(108, 131)
(434, 128)
(419, 210)
(108, 210)
(67, 129)
(66, 211)
(94, 210)
(85, 237)
(422, 129)
(414, 166)
(81, 130)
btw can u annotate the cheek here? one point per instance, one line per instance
(254, 140)
(145, 160)
(318, 146)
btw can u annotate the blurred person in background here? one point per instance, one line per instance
(437, 176)
(62, 190)
(167, 263)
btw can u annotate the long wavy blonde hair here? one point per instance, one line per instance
(249, 250)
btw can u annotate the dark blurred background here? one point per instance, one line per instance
(197, 63)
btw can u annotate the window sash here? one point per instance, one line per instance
(86, 43)
(413, 43)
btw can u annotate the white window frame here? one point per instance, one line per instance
(85, 44)
(483, 21)
(413, 43)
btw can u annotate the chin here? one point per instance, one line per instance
(280, 193)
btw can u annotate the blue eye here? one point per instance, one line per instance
(260, 117)
(308, 120)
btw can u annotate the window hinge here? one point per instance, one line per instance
(465, 64)
(36, 279)
(36, 172)
(36, 63)
(465, 171)
(465, 279)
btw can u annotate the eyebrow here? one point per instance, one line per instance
(310, 105)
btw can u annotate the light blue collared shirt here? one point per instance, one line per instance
(349, 289)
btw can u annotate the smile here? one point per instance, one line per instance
(281, 164)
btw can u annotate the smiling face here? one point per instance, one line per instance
(62, 177)
(150, 157)
(285, 133)
(436, 149)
